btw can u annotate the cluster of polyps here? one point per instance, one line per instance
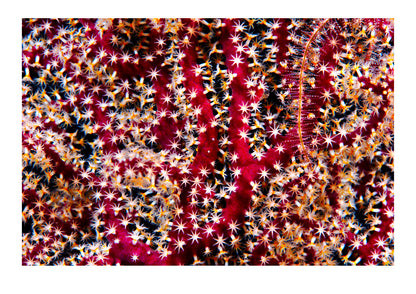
(207, 141)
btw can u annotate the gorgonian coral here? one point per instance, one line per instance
(207, 141)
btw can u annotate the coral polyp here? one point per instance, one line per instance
(208, 141)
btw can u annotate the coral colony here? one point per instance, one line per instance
(207, 141)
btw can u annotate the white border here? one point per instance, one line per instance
(207, 279)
